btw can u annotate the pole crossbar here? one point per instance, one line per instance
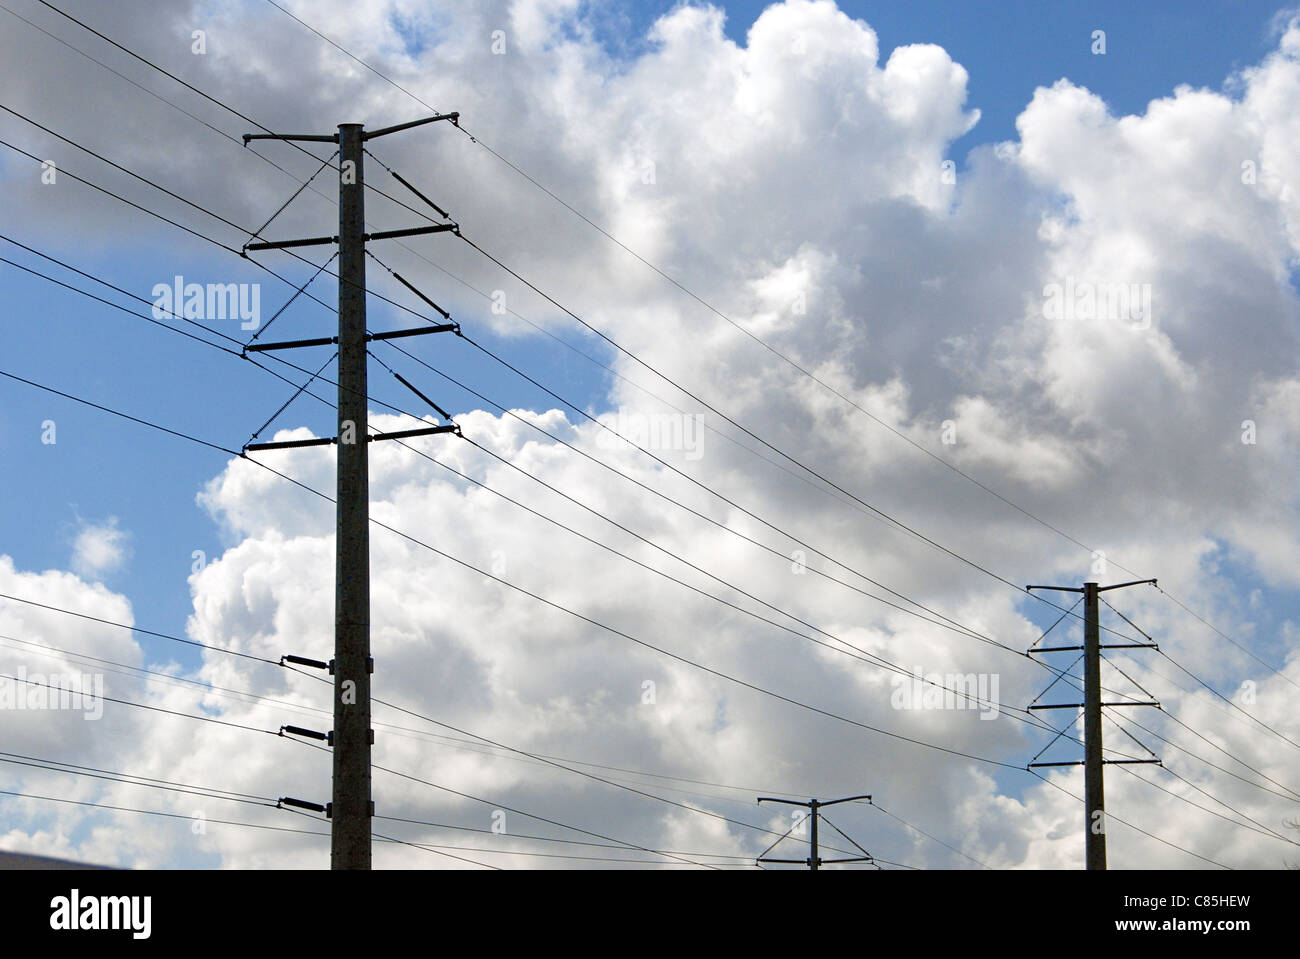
(814, 861)
(290, 244)
(291, 444)
(290, 344)
(417, 331)
(405, 434)
(414, 231)
(454, 117)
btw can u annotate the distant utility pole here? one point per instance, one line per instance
(1093, 763)
(351, 807)
(814, 861)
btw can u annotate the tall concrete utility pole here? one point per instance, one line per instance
(1094, 785)
(1093, 762)
(350, 832)
(351, 807)
(814, 860)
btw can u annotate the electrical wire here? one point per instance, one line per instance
(559, 607)
(1110, 815)
(681, 287)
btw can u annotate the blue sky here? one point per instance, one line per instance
(1011, 48)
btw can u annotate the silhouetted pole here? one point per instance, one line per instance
(1093, 780)
(350, 835)
(351, 809)
(814, 860)
(1094, 800)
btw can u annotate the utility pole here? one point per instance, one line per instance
(351, 807)
(1093, 762)
(350, 832)
(814, 860)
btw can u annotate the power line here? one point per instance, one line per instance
(125, 416)
(1247, 651)
(550, 603)
(130, 417)
(157, 709)
(560, 765)
(927, 835)
(18, 760)
(244, 696)
(120, 307)
(1183, 689)
(630, 382)
(130, 779)
(166, 326)
(168, 678)
(700, 485)
(197, 119)
(158, 812)
(1111, 815)
(463, 563)
(202, 236)
(680, 286)
(578, 409)
(205, 820)
(268, 660)
(1219, 695)
(536, 816)
(738, 426)
(955, 626)
(111, 411)
(192, 204)
(1175, 719)
(552, 855)
(579, 842)
(1293, 797)
(863, 656)
(403, 842)
(150, 675)
(225, 106)
(423, 736)
(136, 629)
(1257, 827)
(867, 506)
(698, 399)
(656, 269)
(240, 695)
(303, 387)
(1214, 691)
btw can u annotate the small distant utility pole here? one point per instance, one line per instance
(814, 861)
(1093, 763)
(351, 808)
